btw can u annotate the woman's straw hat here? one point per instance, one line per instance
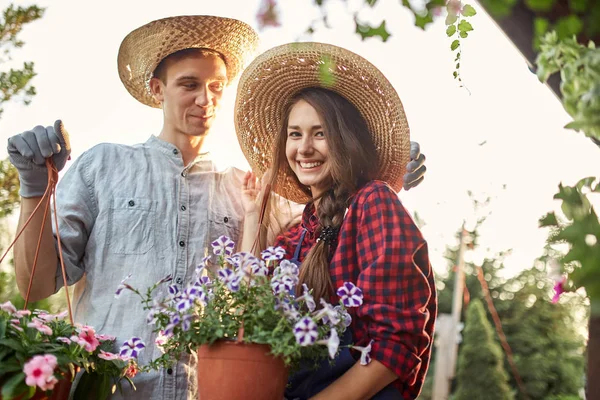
(276, 75)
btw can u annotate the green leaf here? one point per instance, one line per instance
(464, 26)
(451, 30)
(454, 45)
(13, 386)
(367, 31)
(463, 34)
(468, 10)
(549, 220)
(568, 26)
(451, 19)
(422, 21)
(371, 3)
(455, 74)
(540, 5)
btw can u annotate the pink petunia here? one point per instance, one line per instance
(40, 326)
(105, 337)
(39, 371)
(87, 339)
(105, 355)
(559, 289)
(22, 313)
(8, 307)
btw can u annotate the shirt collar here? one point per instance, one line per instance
(310, 221)
(203, 160)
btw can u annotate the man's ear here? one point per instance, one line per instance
(157, 89)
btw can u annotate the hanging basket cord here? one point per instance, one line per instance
(48, 197)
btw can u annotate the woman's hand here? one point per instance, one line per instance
(251, 193)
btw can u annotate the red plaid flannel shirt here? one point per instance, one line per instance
(381, 251)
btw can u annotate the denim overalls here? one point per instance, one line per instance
(309, 381)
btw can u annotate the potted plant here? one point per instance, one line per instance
(40, 354)
(242, 316)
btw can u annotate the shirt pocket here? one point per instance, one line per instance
(223, 224)
(131, 225)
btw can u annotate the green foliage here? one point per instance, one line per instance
(20, 342)
(480, 373)
(579, 68)
(367, 31)
(459, 28)
(16, 82)
(581, 231)
(9, 188)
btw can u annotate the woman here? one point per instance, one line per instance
(341, 147)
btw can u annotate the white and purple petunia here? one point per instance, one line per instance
(306, 331)
(230, 278)
(167, 278)
(200, 268)
(307, 298)
(350, 294)
(272, 253)
(132, 347)
(328, 314)
(332, 343)
(288, 268)
(186, 323)
(282, 284)
(223, 246)
(365, 353)
(122, 286)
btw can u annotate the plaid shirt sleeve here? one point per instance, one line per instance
(400, 304)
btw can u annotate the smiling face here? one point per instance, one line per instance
(306, 148)
(190, 90)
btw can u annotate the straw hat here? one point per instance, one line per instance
(276, 75)
(143, 49)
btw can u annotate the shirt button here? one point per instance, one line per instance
(183, 208)
(181, 243)
(170, 371)
(226, 219)
(131, 203)
(184, 174)
(179, 280)
(175, 151)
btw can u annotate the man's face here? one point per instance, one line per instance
(191, 93)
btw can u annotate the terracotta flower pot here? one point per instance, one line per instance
(228, 370)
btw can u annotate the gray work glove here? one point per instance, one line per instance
(415, 169)
(28, 152)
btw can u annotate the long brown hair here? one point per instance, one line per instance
(352, 160)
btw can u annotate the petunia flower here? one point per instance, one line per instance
(40, 326)
(87, 339)
(305, 331)
(132, 347)
(39, 371)
(272, 253)
(122, 286)
(282, 284)
(332, 343)
(350, 294)
(230, 278)
(328, 313)
(8, 307)
(223, 246)
(105, 355)
(307, 298)
(365, 356)
(559, 288)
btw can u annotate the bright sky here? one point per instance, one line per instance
(75, 46)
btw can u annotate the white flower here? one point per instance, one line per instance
(365, 356)
(223, 246)
(332, 343)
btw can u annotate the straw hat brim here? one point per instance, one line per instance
(276, 75)
(144, 48)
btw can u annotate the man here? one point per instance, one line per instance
(150, 209)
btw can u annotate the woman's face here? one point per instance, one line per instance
(306, 148)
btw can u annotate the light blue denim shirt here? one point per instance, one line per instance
(138, 210)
